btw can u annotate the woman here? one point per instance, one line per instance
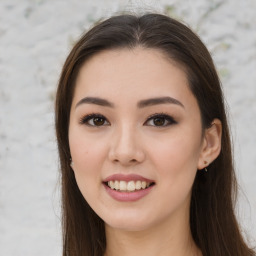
(144, 144)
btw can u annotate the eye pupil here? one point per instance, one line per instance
(98, 121)
(159, 121)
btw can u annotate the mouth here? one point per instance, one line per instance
(128, 186)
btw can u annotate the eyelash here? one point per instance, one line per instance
(167, 118)
(87, 118)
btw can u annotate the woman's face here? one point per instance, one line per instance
(135, 138)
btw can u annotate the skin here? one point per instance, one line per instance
(129, 142)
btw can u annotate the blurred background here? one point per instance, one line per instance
(35, 38)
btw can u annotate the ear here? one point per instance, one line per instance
(211, 144)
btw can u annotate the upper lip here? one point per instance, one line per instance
(126, 177)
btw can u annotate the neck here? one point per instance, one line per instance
(165, 239)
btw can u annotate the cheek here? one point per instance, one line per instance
(176, 161)
(176, 165)
(177, 152)
(88, 156)
(86, 150)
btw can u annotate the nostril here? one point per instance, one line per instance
(117, 160)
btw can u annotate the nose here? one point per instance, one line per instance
(126, 148)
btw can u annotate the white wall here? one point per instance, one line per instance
(35, 37)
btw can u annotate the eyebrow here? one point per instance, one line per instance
(96, 101)
(140, 104)
(158, 101)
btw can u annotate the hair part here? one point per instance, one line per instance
(212, 220)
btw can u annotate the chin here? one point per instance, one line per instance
(134, 227)
(128, 222)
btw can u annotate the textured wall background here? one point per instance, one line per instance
(35, 38)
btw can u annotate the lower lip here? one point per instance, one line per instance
(127, 196)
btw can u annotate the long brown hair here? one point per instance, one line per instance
(212, 220)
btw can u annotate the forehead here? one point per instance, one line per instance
(131, 74)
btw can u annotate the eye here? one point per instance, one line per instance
(160, 120)
(94, 120)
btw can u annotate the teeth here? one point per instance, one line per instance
(111, 184)
(128, 186)
(143, 184)
(116, 186)
(138, 184)
(122, 185)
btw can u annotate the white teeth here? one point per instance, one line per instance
(116, 186)
(122, 185)
(111, 184)
(128, 186)
(138, 184)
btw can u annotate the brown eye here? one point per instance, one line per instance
(98, 121)
(94, 120)
(160, 120)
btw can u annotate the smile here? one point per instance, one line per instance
(129, 186)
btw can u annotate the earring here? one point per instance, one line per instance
(71, 163)
(205, 169)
